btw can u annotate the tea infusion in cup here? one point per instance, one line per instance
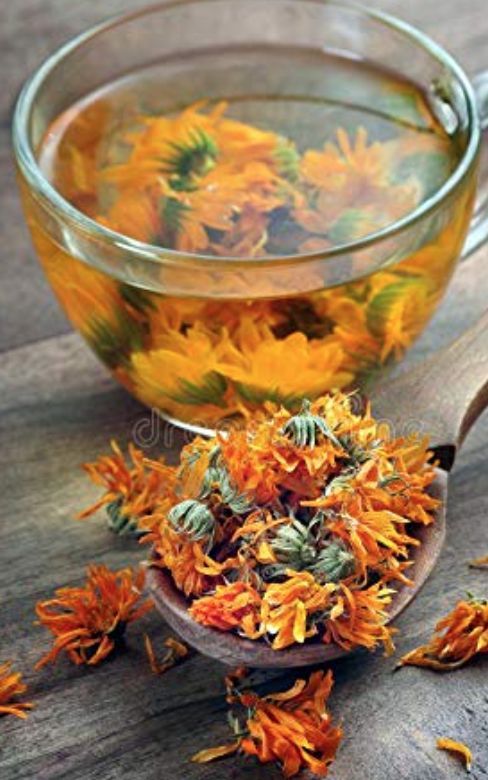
(248, 177)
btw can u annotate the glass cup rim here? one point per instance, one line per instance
(152, 253)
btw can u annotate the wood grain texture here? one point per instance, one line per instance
(58, 408)
(442, 396)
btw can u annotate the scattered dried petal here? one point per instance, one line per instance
(458, 637)
(176, 651)
(459, 749)
(292, 728)
(11, 687)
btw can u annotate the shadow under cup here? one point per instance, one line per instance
(208, 340)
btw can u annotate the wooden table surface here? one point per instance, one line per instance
(58, 408)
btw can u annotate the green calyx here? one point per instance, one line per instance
(194, 158)
(304, 428)
(192, 518)
(217, 479)
(334, 563)
(287, 160)
(294, 545)
(297, 547)
(119, 522)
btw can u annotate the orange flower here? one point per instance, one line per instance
(358, 619)
(132, 492)
(261, 367)
(459, 749)
(288, 606)
(292, 728)
(88, 622)
(176, 651)
(458, 637)
(193, 571)
(232, 606)
(11, 686)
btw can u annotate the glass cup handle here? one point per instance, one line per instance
(478, 232)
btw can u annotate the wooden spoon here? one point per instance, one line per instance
(442, 397)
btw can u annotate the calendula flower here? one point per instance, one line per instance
(292, 728)
(176, 651)
(458, 637)
(359, 617)
(232, 606)
(132, 491)
(459, 749)
(88, 622)
(260, 367)
(191, 568)
(134, 214)
(288, 607)
(11, 687)
(354, 193)
(184, 374)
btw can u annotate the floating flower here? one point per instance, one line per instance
(458, 637)
(88, 622)
(11, 687)
(260, 366)
(292, 728)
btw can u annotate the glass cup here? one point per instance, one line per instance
(207, 341)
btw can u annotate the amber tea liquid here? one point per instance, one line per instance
(220, 160)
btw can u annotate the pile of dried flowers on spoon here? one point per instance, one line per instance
(295, 527)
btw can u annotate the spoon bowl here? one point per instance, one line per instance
(442, 397)
(234, 650)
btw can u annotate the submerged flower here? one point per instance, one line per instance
(11, 687)
(264, 367)
(131, 491)
(458, 637)
(459, 749)
(292, 728)
(88, 622)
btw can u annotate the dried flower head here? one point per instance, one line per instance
(11, 687)
(132, 491)
(458, 637)
(292, 728)
(88, 622)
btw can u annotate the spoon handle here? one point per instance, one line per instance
(442, 396)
